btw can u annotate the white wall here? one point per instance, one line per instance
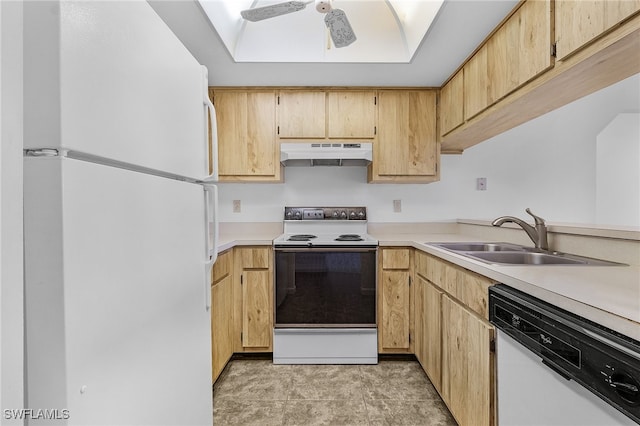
(618, 171)
(11, 275)
(547, 164)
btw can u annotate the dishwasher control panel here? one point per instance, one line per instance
(601, 360)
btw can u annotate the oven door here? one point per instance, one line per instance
(328, 287)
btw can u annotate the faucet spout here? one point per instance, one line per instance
(538, 234)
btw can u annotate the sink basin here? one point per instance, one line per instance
(514, 254)
(525, 258)
(481, 246)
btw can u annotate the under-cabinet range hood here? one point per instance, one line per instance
(325, 154)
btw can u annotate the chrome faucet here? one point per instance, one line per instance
(538, 234)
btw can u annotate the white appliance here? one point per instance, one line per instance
(557, 369)
(120, 227)
(325, 288)
(325, 154)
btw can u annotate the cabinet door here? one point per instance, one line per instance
(503, 60)
(407, 139)
(395, 310)
(419, 344)
(246, 134)
(534, 48)
(351, 114)
(617, 10)
(432, 334)
(452, 104)
(467, 365)
(221, 315)
(475, 84)
(301, 114)
(256, 309)
(577, 22)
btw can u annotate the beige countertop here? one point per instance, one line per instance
(607, 295)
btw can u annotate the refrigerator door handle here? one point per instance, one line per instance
(213, 149)
(211, 237)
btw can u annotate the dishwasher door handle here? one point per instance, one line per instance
(556, 369)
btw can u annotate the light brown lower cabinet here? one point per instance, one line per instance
(253, 299)
(221, 313)
(454, 339)
(468, 384)
(428, 329)
(395, 301)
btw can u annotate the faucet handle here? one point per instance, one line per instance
(538, 219)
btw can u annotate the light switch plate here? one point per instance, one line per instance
(237, 206)
(397, 206)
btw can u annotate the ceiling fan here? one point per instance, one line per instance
(335, 19)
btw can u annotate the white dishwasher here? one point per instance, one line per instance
(555, 368)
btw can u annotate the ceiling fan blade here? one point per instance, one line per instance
(271, 11)
(341, 32)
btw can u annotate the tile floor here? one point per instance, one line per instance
(393, 392)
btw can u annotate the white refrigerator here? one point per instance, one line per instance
(120, 220)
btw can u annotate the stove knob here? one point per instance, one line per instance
(288, 214)
(298, 215)
(335, 214)
(361, 215)
(352, 215)
(343, 214)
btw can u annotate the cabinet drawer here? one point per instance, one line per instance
(222, 267)
(395, 258)
(422, 264)
(444, 275)
(473, 291)
(255, 257)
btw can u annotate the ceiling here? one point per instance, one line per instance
(459, 27)
(387, 31)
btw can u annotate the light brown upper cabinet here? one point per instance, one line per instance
(247, 149)
(407, 147)
(475, 84)
(327, 114)
(452, 103)
(301, 114)
(579, 21)
(517, 52)
(351, 114)
(534, 49)
(520, 49)
(596, 45)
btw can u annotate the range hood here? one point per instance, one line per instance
(325, 154)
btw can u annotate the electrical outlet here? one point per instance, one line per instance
(481, 184)
(397, 206)
(237, 207)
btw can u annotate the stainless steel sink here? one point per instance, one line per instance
(514, 254)
(481, 246)
(527, 258)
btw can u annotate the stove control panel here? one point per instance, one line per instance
(325, 213)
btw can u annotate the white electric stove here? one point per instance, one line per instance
(325, 288)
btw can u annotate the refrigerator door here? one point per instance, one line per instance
(110, 79)
(117, 328)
